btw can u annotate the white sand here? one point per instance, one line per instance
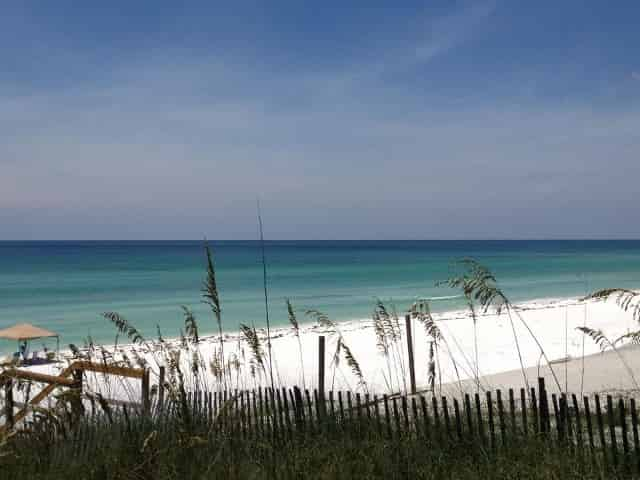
(553, 322)
(604, 373)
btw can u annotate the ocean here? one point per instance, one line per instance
(65, 286)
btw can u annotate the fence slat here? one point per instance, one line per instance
(299, 410)
(492, 431)
(387, 415)
(512, 412)
(534, 412)
(319, 401)
(287, 412)
(275, 420)
(625, 439)
(341, 406)
(556, 411)
(405, 413)
(264, 423)
(436, 418)
(332, 406)
(396, 416)
(600, 422)
(376, 411)
(225, 411)
(469, 415)
(295, 414)
(270, 414)
(503, 428)
(456, 412)
(235, 414)
(576, 408)
(523, 408)
(612, 430)
(320, 412)
(447, 419)
(216, 409)
(257, 420)
(544, 406)
(243, 415)
(480, 421)
(416, 417)
(425, 417)
(566, 416)
(567, 420)
(282, 430)
(587, 417)
(359, 412)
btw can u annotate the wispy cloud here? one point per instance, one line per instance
(440, 35)
(412, 46)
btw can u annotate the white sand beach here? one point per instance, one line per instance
(553, 322)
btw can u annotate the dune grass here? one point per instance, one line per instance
(167, 447)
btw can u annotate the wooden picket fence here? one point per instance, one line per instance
(602, 430)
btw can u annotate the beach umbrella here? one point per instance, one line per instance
(23, 332)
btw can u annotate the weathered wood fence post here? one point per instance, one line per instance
(543, 409)
(412, 368)
(8, 403)
(321, 364)
(146, 399)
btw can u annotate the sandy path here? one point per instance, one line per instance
(604, 373)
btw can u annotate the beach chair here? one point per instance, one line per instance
(35, 359)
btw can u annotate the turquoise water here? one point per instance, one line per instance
(64, 286)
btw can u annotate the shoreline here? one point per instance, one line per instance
(362, 323)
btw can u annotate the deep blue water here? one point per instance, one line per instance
(64, 286)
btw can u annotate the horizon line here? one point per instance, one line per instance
(533, 239)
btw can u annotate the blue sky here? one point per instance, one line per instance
(154, 120)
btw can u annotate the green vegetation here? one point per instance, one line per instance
(174, 447)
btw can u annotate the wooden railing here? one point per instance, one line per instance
(70, 377)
